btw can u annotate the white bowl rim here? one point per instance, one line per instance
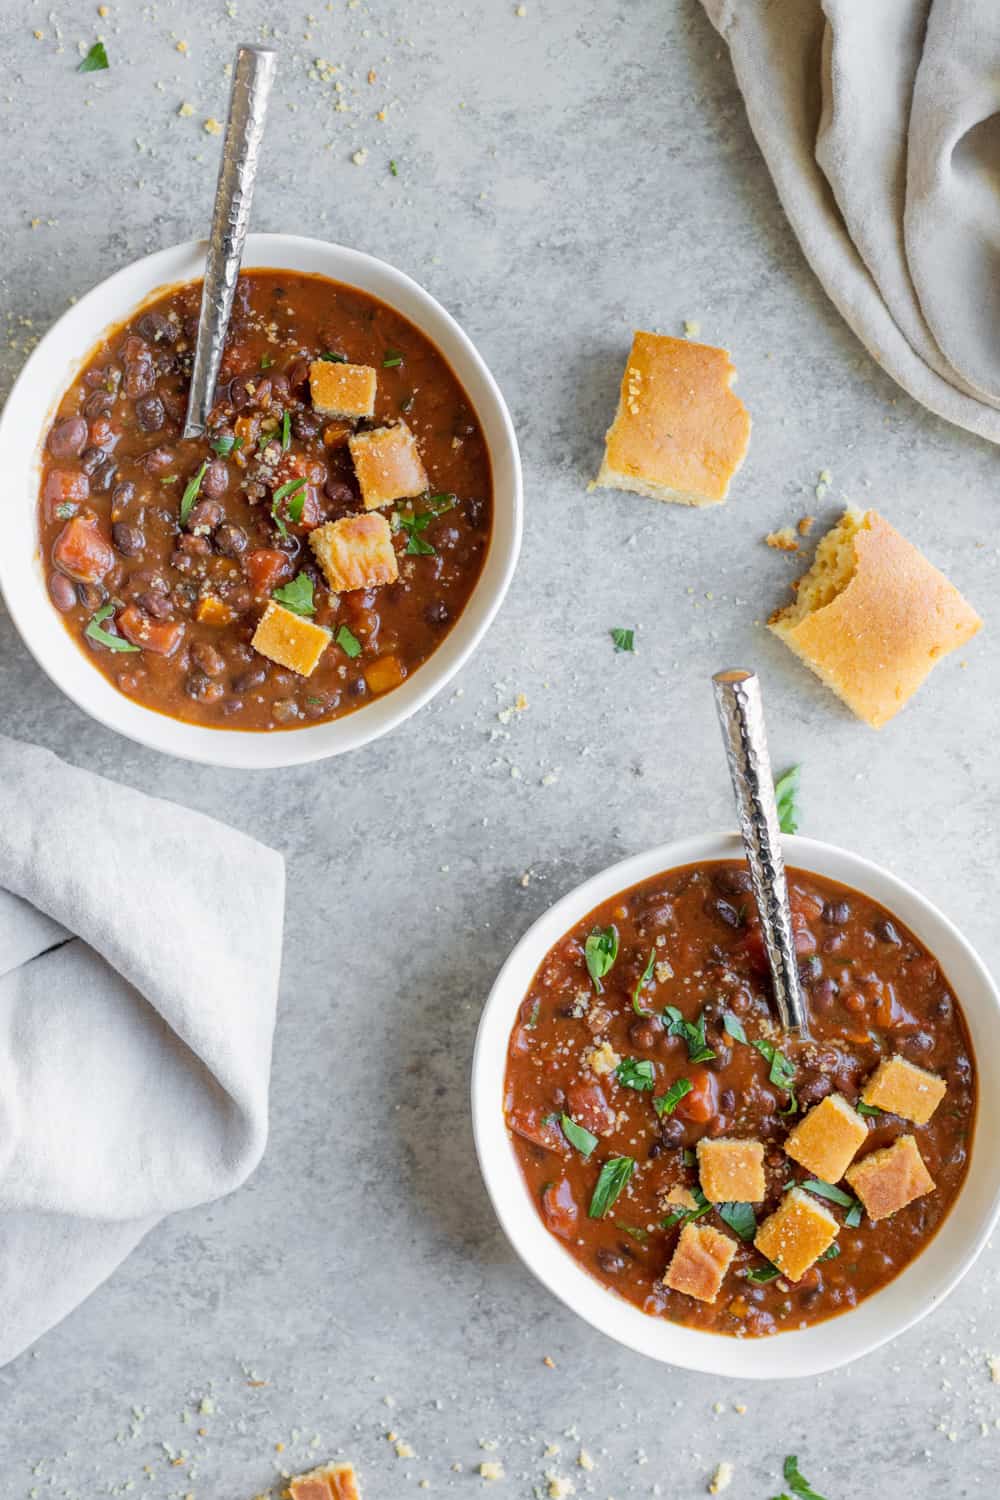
(117, 297)
(795, 1353)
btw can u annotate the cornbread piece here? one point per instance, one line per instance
(355, 552)
(340, 390)
(700, 1260)
(797, 1233)
(904, 1089)
(731, 1171)
(289, 639)
(388, 465)
(679, 1197)
(826, 1140)
(335, 1482)
(679, 432)
(872, 616)
(888, 1180)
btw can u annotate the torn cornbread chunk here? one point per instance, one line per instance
(872, 616)
(679, 432)
(888, 1180)
(731, 1171)
(798, 1232)
(388, 465)
(701, 1258)
(826, 1140)
(355, 552)
(342, 390)
(904, 1089)
(289, 639)
(334, 1482)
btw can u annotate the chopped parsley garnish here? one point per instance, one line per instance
(636, 1073)
(693, 1033)
(666, 1103)
(786, 794)
(582, 1139)
(835, 1195)
(66, 509)
(266, 361)
(532, 1020)
(687, 1215)
(614, 1176)
(761, 1275)
(734, 1028)
(392, 360)
(95, 61)
(780, 1072)
(293, 493)
(624, 640)
(297, 595)
(868, 1109)
(415, 525)
(830, 1253)
(852, 1218)
(646, 976)
(334, 359)
(393, 168)
(600, 951)
(190, 494)
(104, 637)
(348, 642)
(740, 1217)
(798, 1486)
(225, 444)
(286, 431)
(634, 1233)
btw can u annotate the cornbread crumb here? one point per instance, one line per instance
(491, 1470)
(993, 1363)
(359, 157)
(185, 110)
(692, 328)
(664, 970)
(603, 1059)
(212, 126)
(783, 540)
(182, 46)
(585, 1461)
(549, 1362)
(722, 1478)
(806, 525)
(560, 1487)
(403, 1449)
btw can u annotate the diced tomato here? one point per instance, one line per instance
(701, 1104)
(586, 1104)
(81, 552)
(384, 674)
(265, 569)
(541, 1130)
(64, 487)
(159, 636)
(559, 1208)
(756, 953)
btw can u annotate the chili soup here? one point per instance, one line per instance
(709, 1168)
(306, 555)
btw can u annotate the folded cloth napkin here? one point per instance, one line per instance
(880, 123)
(140, 949)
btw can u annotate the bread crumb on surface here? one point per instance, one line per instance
(993, 1364)
(692, 328)
(585, 1461)
(783, 540)
(559, 1487)
(491, 1470)
(212, 126)
(722, 1478)
(806, 525)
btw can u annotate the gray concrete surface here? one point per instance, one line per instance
(564, 175)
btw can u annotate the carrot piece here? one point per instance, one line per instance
(81, 552)
(159, 636)
(265, 569)
(214, 611)
(385, 673)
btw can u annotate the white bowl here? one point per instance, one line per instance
(918, 1290)
(25, 422)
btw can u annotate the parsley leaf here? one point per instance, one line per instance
(293, 493)
(266, 361)
(868, 1109)
(600, 951)
(66, 509)
(348, 642)
(795, 1481)
(582, 1139)
(639, 1235)
(190, 494)
(624, 640)
(286, 431)
(786, 794)
(415, 525)
(693, 1033)
(394, 169)
(781, 1071)
(688, 1215)
(666, 1103)
(392, 360)
(104, 637)
(614, 1176)
(334, 359)
(636, 1073)
(740, 1217)
(835, 1195)
(225, 444)
(761, 1275)
(297, 595)
(95, 61)
(830, 1253)
(647, 975)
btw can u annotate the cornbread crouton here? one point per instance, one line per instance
(603, 1059)
(904, 1089)
(731, 1171)
(355, 552)
(679, 1197)
(340, 390)
(289, 639)
(826, 1140)
(679, 432)
(872, 616)
(888, 1180)
(797, 1233)
(388, 465)
(701, 1258)
(334, 1482)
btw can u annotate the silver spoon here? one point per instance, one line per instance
(253, 74)
(741, 714)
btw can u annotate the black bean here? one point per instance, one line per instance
(242, 391)
(338, 490)
(205, 516)
(215, 480)
(610, 1261)
(90, 458)
(68, 439)
(305, 425)
(157, 605)
(358, 688)
(732, 882)
(91, 595)
(247, 680)
(943, 1008)
(836, 913)
(156, 329)
(814, 1089)
(158, 460)
(824, 993)
(810, 968)
(150, 413)
(280, 389)
(884, 929)
(284, 710)
(644, 1033)
(671, 1131)
(727, 1101)
(202, 688)
(437, 612)
(726, 912)
(140, 377)
(123, 494)
(211, 661)
(62, 591)
(103, 477)
(98, 404)
(129, 540)
(477, 514)
(230, 540)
